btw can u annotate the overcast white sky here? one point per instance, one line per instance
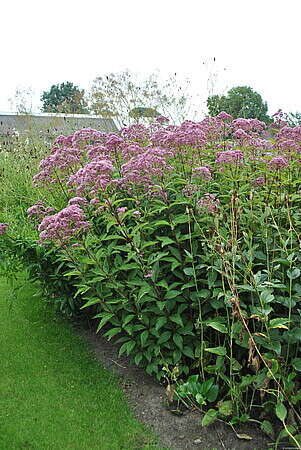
(257, 42)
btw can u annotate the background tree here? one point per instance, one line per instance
(121, 95)
(64, 98)
(240, 101)
(141, 112)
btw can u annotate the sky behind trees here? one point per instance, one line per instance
(216, 44)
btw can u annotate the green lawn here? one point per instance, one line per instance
(53, 393)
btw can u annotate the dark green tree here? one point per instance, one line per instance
(240, 101)
(64, 98)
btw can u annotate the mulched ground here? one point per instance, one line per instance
(147, 399)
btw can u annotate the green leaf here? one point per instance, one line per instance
(138, 358)
(293, 273)
(105, 318)
(209, 417)
(127, 347)
(172, 294)
(165, 240)
(189, 271)
(296, 363)
(176, 319)
(128, 318)
(200, 399)
(164, 337)
(217, 350)
(217, 326)
(278, 323)
(144, 337)
(266, 296)
(188, 352)
(90, 302)
(267, 428)
(160, 223)
(281, 411)
(160, 322)
(178, 340)
(111, 333)
(226, 408)
(213, 393)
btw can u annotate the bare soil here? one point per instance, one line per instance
(147, 399)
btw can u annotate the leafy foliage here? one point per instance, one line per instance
(240, 101)
(64, 98)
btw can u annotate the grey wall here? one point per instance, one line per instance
(52, 124)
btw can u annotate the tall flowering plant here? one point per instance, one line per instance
(184, 240)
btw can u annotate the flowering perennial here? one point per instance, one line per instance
(95, 175)
(63, 226)
(39, 210)
(230, 157)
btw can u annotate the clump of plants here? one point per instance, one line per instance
(184, 243)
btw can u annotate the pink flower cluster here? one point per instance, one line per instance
(136, 133)
(39, 210)
(249, 125)
(202, 172)
(225, 117)
(229, 157)
(278, 163)
(80, 201)
(141, 168)
(59, 162)
(92, 177)
(3, 228)
(209, 202)
(87, 136)
(62, 227)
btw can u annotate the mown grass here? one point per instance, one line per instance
(53, 392)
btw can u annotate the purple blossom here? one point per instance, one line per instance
(229, 157)
(209, 202)
(39, 210)
(135, 133)
(260, 181)
(136, 213)
(202, 172)
(80, 201)
(189, 190)
(148, 274)
(63, 226)
(162, 119)
(87, 136)
(278, 163)
(141, 168)
(3, 228)
(93, 176)
(224, 116)
(121, 211)
(97, 152)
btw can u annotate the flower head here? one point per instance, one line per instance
(278, 163)
(210, 203)
(3, 228)
(39, 210)
(229, 157)
(63, 226)
(202, 172)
